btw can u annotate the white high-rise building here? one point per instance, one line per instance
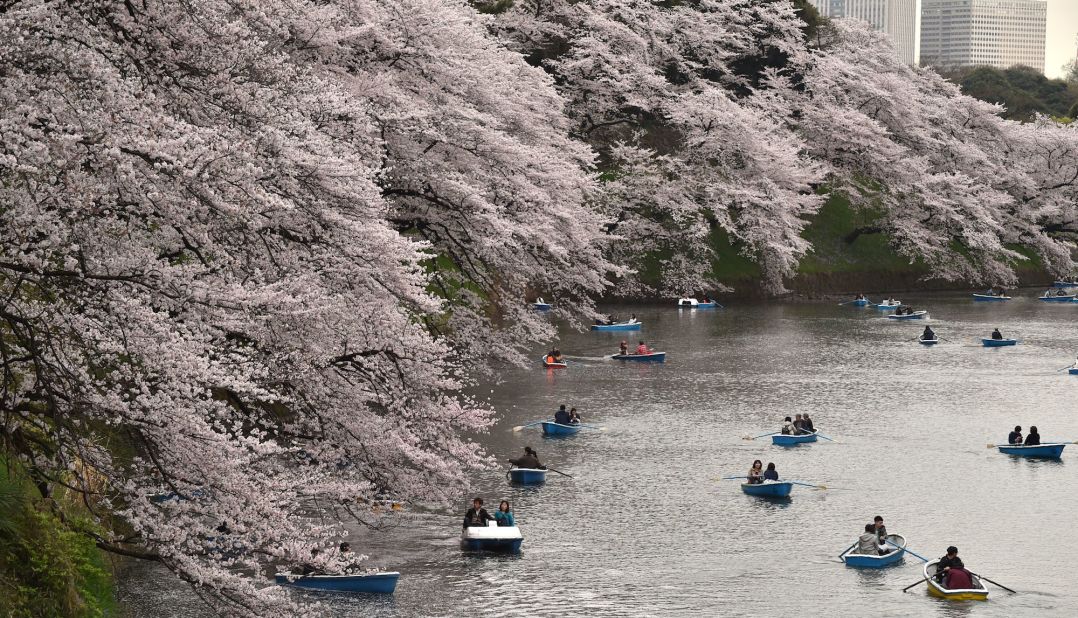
(898, 18)
(999, 33)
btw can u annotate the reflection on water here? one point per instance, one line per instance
(644, 527)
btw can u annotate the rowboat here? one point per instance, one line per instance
(792, 440)
(492, 537)
(651, 357)
(888, 305)
(1065, 284)
(936, 589)
(561, 365)
(551, 428)
(860, 302)
(381, 583)
(1073, 371)
(998, 343)
(527, 476)
(630, 325)
(870, 561)
(924, 341)
(541, 306)
(692, 303)
(1050, 450)
(1053, 298)
(990, 297)
(771, 489)
(916, 315)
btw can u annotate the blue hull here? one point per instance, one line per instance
(657, 357)
(998, 343)
(527, 476)
(1046, 451)
(887, 307)
(915, 316)
(990, 298)
(557, 429)
(860, 303)
(507, 546)
(788, 440)
(868, 561)
(541, 306)
(379, 583)
(772, 490)
(1057, 299)
(1073, 371)
(635, 326)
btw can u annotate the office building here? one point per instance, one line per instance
(999, 33)
(898, 18)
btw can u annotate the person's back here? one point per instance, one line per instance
(958, 579)
(868, 544)
(561, 416)
(1015, 437)
(771, 474)
(997, 335)
(807, 424)
(526, 461)
(1034, 438)
(642, 349)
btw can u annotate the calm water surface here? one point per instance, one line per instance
(643, 527)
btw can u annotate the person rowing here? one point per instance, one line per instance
(554, 357)
(881, 530)
(562, 416)
(1015, 437)
(948, 562)
(806, 423)
(771, 474)
(996, 335)
(799, 425)
(642, 349)
(756, 476)
(530, 459)
(1033, 438)
(928, 335)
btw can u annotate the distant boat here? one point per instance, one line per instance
(630, 325)
(541, 306)
(998, 343)
(492, 537)
(692, 303)
(924, 341)
(1057, 298)
(780, 439)
(558, 365)
(861, 302)
(381, 583)
(887, 305)
(869, 561)
(1065, 284)
(527, 476)
(551, 428)
(1073, 371)
(916, 315)
(990, 297)
(771, 489)
(936, 589)
(1040, 451)
(651, 357)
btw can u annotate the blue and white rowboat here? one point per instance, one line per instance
(1052, 298)
(493, 538)
(541, 306)
(888, 305)
(551, 428)
(653, 357)
(692, 303)
(916, 315)
(792, 440)
(1042, 451)
(619, 326)
(990, 297)
(860, 302)
(998, 343)
(380, 583)
(870, 561)
(771, 489)
(527, 476)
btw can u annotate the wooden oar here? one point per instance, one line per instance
(924, 580)
(820, 435)
(992, 582)
(760, 436)
(846, 550)
(806, 484)
(1065, 368)
(532, 424)
(560, 472)
(907, 550)
(730, 478)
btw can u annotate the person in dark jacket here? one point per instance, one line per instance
(561, 416)
(806, 423)
(771, 474)
(1015, 437)
(877, 525)
(929, 334)
(1034, 438)
(477, 515)
(997, 335)
(574, 417)
(529, 460)
(946, 563)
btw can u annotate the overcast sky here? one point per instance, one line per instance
(1062, 29)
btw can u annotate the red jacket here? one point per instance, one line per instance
(958, 579)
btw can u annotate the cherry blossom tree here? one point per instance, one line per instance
(248, 246)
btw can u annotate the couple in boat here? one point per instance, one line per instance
(951, 573)
(801, 425)
(554, 357)
(478, 516)
(641, 349)
(873, 541)
(758, 475)
(1015, 437)
(614, 319)
(562, 417)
